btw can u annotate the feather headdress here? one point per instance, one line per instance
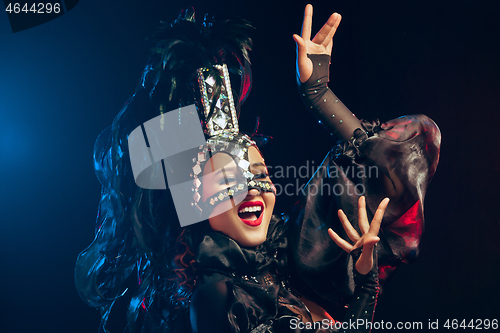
(184, 46)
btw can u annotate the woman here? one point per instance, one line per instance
(244, 270)
(243, 279)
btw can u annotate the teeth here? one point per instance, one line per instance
(250, 209)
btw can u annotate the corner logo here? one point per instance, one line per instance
(28, 14)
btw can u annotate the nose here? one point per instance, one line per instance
(253, 192)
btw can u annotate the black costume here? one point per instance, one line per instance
(249, 290)
(258, 288)
(403, 153)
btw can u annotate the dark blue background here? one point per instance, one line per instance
(63, 82)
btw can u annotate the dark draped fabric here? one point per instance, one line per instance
(403, 153)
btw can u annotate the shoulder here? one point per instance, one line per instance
(406, 127)
(214, 287)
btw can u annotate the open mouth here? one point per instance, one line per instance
(250, 212)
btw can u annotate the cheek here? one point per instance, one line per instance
(214, 222)
(270, 200)
(219, 222)
(222, 215)
(227, 207)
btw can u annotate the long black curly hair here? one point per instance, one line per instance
(140, 255)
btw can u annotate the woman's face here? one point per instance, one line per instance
(246, 217)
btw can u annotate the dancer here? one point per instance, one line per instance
(245, 269)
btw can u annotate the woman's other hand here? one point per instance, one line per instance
(369, 236)
(321, 44)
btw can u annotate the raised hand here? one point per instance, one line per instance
(369, 236)
(321, 44)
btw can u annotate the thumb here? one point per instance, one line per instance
(301, 46)
(365, 262)
(370, 243)
(304, 65)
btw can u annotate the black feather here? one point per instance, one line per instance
(182, 47)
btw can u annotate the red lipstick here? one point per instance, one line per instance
(258, 221)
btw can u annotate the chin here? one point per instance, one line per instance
(253, 238)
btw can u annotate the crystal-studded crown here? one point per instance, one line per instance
(217, 101)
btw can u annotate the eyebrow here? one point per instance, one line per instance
(257, 164)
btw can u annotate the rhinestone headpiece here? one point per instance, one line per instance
(217, 104)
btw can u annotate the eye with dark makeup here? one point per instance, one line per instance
(260, 172)
(259, 169)
(228, 180)
(261, 175)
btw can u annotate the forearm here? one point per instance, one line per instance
(323, 102)
(361, 309)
